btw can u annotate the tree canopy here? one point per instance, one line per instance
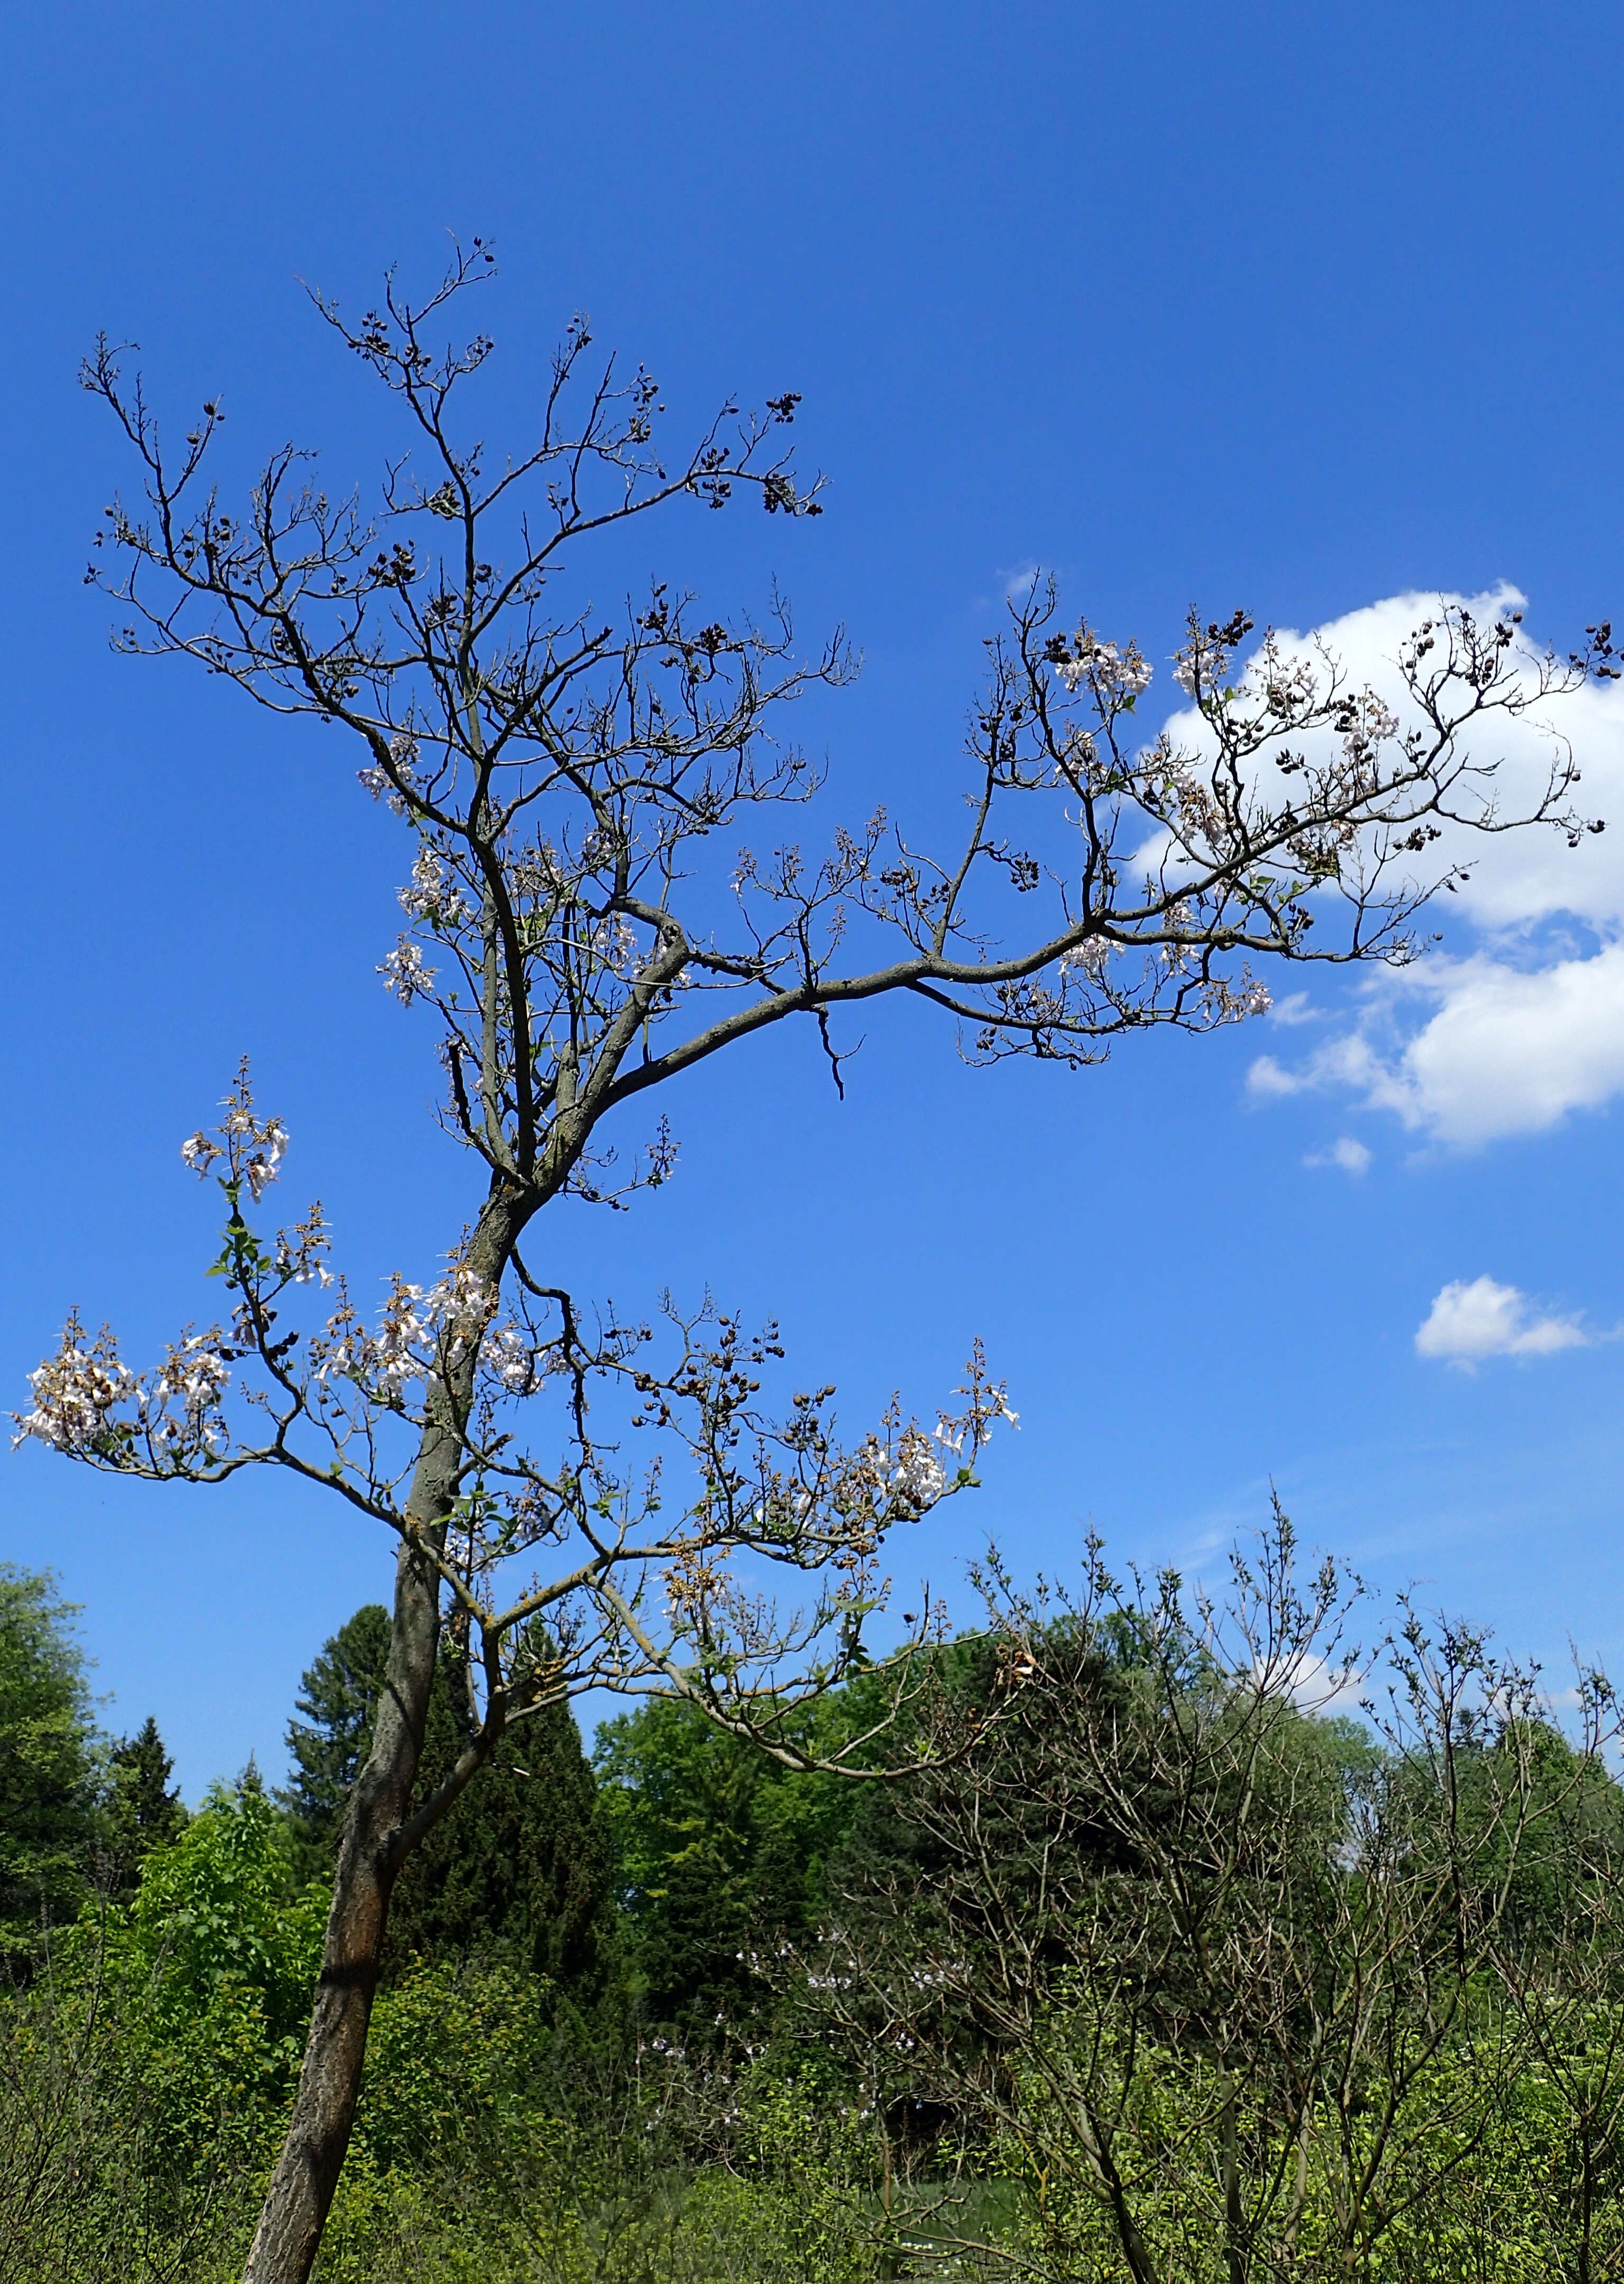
(48, 1788)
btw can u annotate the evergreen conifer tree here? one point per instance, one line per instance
(521, 1868)
(143, 1810)
(328, 1738)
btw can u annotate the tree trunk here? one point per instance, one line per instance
(296, 2205)
(1234, 2215)
(301, 2188)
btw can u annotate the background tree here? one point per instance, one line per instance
(580, 923)
(48, 1803)
(211, 1965)
(519, 1869)
(522, 1867)
(1221, 1983)
(331, 1732)
(144, 1811)
(719, 1852)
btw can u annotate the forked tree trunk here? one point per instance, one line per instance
(294, 2214)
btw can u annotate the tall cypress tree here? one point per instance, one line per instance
(521, 1866)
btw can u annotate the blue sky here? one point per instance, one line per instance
(1300, 308)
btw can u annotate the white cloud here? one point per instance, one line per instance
(1317, 1687)
(1292, 1008)
(1509, 1050)
(1351, 1155)
(1266, 1076)
(1527, 1025)
(1469, 1322)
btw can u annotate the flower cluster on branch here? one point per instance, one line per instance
(650, 1581)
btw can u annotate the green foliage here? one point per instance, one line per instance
(713, 2228)
(1481, 2186)
(208, 1973)
(456, 2064)
(790, 2205)
(328, 1738)
(90, 2187)
(720, 1852)
(142, 1810)
(945, 2116)
(48, 1818)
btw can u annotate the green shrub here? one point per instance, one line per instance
(205, 1979)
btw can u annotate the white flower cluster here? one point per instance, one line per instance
(300, 1261)
(80, 1393)
(951, 1433)
(1370, 724)
(419, 1331)
(403, 755)
(1178, 915)
(259, 1167)
(513, 1360)
(1115, 677)
(407, 974)
(196, 1375)
(1224, 1002)
(1290, 686)
(1200, 666)
(1187, 802)
(615, 942)
(422, 1332)
(77, 1395)
(432, 894)
(919, 1478)
(254, 1148)
(1090, 957)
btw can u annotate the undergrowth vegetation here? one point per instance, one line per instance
(1168, 1969)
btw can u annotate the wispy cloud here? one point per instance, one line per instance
(1345, 1152)
(1292, 1008)
(1469, 1322)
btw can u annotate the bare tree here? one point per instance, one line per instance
(581, 926)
